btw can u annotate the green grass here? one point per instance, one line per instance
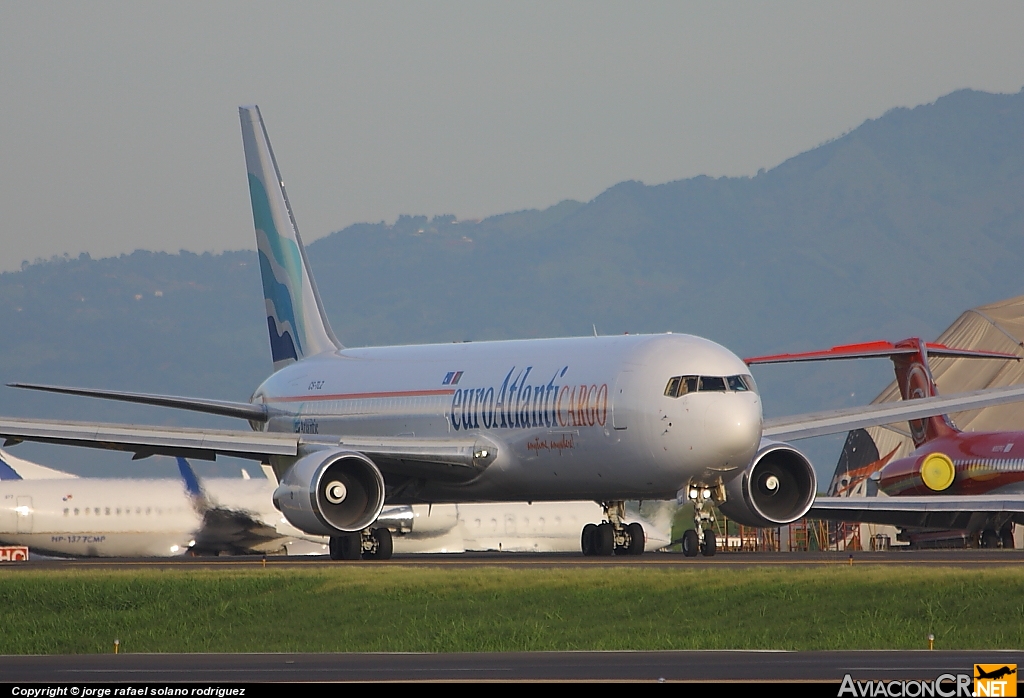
(500, 609)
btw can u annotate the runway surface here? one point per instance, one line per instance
(968, 558)
(518, 666)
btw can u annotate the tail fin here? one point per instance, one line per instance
(194, 489)
(913, 375)
(13, 468)
(7, 472)
(857, 463)
(189, 478)
(295, 316)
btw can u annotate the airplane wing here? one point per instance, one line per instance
(223, 408)
(837, 421)
(453, 459)
(940, 512)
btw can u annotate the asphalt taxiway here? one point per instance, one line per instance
(711, 665)
(964, 558)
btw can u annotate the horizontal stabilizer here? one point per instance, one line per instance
(223, 408)
(836, 421)
(878, 350)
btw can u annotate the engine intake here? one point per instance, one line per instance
(778, 487)
(330, 492)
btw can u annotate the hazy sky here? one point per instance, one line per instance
(119, 128)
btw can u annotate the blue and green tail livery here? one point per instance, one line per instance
(296, 320)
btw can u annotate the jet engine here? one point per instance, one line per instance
(928, 474)
(330, 492)
(778, 487)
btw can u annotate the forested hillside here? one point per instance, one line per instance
(891, 230)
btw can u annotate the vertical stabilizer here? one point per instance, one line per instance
(295, 316)
(13, 468)
(914, 377)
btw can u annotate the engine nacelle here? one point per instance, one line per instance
(778, 487)
(330, 492)
(931, 473)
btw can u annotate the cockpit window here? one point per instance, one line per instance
(678, 386)
(681, 385)
(738, 383)
(712, 383)
(673, 386)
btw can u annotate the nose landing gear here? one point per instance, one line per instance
(613, 536)
(701, 538)
(368, 544)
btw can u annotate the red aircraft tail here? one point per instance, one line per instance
(913, 374)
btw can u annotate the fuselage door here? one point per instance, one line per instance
(25, 514)
(620, 400)
(8, 516)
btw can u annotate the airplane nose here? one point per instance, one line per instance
(732, 425)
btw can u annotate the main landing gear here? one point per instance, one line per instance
(368, 544)
(700, 538)
(613, 536)
(990, 538)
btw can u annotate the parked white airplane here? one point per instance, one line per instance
(593, 418)
(57, 513)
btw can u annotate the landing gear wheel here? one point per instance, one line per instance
(587, 539)
(708, 547)
(604, 539)
(637, 539)
(989, 538)
(384, 545)
(1006, 536)
(690, 543)
(346, 547)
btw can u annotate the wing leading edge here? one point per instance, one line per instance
(444, 459)
(837, 421)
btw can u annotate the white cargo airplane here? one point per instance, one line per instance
(590, 418)
(57, 513)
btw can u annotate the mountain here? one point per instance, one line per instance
(891, 230)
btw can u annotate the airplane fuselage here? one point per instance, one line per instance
(984, 463)
(578, 418)
(97, 517)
